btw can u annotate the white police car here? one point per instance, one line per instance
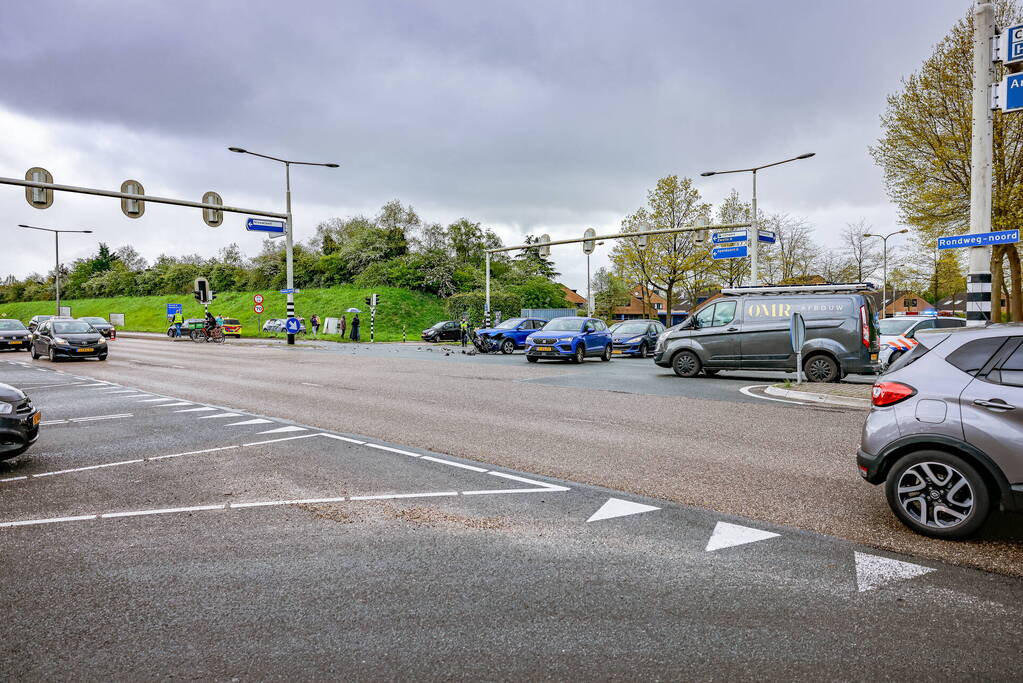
(898, 334)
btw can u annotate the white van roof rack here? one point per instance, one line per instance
(809, 289)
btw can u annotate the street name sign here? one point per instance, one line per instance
(1010, 45)
(289, 291)
(718, 253)
(1009, 93)
(265, 225)
(767, 236)
(729, 236)
(979, 239)
(292, 326)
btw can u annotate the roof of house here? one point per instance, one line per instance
(573, 297)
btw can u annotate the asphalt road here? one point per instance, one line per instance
(149, 535)
(627, 425)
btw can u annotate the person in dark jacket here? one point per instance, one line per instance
(342, 325)
(355, 327)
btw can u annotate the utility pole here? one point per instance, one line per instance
(978, 282)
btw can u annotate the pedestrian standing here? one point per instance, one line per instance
(465, 332)
(341, 325)
(355, 327)
(178, 321)
(315, 322)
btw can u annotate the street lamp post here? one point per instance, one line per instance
(589, 286)
(754, 238)
(884, 259)
(288, 233)
(56, 252)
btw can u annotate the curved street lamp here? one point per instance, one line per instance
(56, 251)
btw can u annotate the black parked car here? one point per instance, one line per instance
(68, 339)
(19, 422)
(101, 324)
(445, 330)
(13, 335)
(34, 321)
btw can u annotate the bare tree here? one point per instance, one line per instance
(864, 253)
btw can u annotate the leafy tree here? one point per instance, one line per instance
(609, 292)
(925, 148)
(529, 263)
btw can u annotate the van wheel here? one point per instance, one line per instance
(686, 364)
(938, 494)
(507, 346)
(821, 368)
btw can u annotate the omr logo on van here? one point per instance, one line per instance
(784, 310)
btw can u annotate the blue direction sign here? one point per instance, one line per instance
(729, 236)
(173, 309)
(718, 253)
(1012, 45)
(265, 225)
(767, 236)
(1010, 93)
(289, 291)
(292, 325)
(980, 239)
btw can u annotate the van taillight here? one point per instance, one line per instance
(889, 393)
(864, 326)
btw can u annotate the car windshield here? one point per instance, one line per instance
(439, 325)
(564, 325)
(11, 325)
(896, 326)
(94, 320)
(510, 324)
(72, 327)
(629, 328)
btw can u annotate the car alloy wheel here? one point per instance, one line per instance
(821, 368)
(686, 364)
(32, 352)
(52, 355)
(938, 494)
(644, 350)
(606, 356)
(580, 354)
(507, 346)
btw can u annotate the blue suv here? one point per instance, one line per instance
(512, 333)
(570, 339)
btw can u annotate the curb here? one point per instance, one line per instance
(845, 401)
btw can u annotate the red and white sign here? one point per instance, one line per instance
(258, 299)
(258, 308)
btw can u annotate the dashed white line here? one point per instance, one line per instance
(393, 450)
(454, 464)
(194, 410)
(210, 417)
(310, 384)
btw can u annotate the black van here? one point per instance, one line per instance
(747, 328)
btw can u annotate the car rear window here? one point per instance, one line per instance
(973, 355)
(230, 321)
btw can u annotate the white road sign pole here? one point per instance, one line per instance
(978, 282)
(289, 251)
(754, 259)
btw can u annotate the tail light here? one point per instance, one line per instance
(864, 326)
(890, 393)
(113, 334)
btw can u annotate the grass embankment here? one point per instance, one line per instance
(398, 307)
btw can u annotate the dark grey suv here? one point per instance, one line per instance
(946, 430)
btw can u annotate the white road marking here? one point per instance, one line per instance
(616, 507)
(50, 386)
(210, 417)
(726, 535)
(162, 511)
(172, 405)
(14, 478)
(100, 384)
(283, 430)
(454, 464)
(392, 496)
(748, 391)
(257, 421)
(873, 571)
(153, 400)
(392, 450)
(86, 419)
(193, 410)
(52, 520)
(310, 384)
(126, 391)
(344, 438)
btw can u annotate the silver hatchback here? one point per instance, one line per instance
(945, 433)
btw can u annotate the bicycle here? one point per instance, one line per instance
(204, 335)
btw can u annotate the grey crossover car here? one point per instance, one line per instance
(945, 433)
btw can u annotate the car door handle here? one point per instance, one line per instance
(732, 329)
(994, 403)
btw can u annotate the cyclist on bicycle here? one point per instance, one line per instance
(210, 323)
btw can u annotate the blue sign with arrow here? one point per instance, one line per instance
(265, 225)
(979, 239)
(718, 253)
(292, 325)
(768, 236)
(729, 236)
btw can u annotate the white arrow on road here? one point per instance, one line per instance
(873, 571)
(727, 535)
(616, 507)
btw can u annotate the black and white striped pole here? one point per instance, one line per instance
(978, 281)
(372, 317)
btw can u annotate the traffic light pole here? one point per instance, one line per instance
(978, 281)
(289, 249)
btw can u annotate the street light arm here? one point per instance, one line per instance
(32, 227)
(239, 150)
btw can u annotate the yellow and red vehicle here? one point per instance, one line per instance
(232, 327)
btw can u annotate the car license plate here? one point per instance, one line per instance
(36, 418)
(873, 356)
(86, 349)
(15, 342)
(544, 348)
(618, 352)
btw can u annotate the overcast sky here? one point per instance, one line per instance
(534, 117)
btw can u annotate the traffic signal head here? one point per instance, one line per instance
(376, 300)
(368, 301)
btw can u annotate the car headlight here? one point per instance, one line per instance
(635, 340)
(59, 340)
(6, 408)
